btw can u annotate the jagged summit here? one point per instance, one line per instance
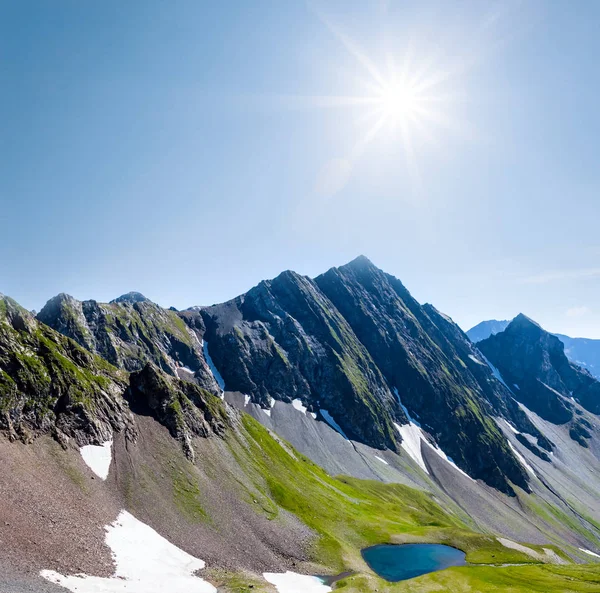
(522, 321)
(131, 297)
(362, 261)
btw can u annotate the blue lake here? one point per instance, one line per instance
(402, 562)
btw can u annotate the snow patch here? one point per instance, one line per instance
(511, 427)
(297, 403)
(496, 373)
(475, 359)
(98, 458)
(145, 563)
(411, 443)
(212, 367)
(246, 400)
(382, 460)
(589, 552)
(412, 437)
(327, 416)
(187, 370)
(291, 582)
(521, 459)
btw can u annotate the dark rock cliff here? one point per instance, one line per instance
(534, 363)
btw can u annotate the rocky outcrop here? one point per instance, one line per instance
(285, 340)
(132, 331)
(183, 407)
(49, 384)
(534, 363)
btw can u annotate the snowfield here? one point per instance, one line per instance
(145, 563)
(98, 458)
(291, 582)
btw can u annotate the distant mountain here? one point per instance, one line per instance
(485, 329)
(533, 363)
(584, 352)
(581, 351)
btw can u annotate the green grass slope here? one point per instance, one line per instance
(349, 514)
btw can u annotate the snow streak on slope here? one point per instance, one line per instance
(412, 437)
(98, 458)
(521, 459)
(145, 563)
(291, 582)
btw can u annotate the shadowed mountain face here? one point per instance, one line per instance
(354, 343)
(285, 340)
(582, 351)
(437, 373)
(534, 363)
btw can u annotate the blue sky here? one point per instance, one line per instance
(190, 149)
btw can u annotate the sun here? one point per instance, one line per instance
(399, 102)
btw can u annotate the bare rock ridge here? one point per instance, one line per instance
(533, 361)
(355, 343)
(131, 331)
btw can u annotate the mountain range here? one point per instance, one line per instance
(283, 431)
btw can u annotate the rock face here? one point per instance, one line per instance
(355, 343)
(534, 363)
(285, 340)
(354, 346)
(49, 384)
(485, 329)
(436, 371)
(131, 331)
(183, 407)
(582, 351)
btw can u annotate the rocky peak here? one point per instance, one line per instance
(132, 332)
(424, 356)
(130, 297)
(533, 361)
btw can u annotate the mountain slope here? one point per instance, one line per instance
(534, 363)
(284, 340)
(435, 371)
(49, 384)
(351, 347)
